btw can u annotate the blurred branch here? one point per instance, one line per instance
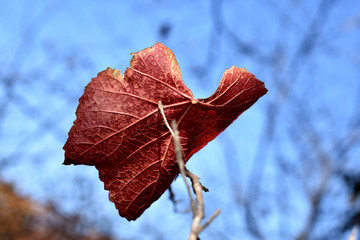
(315, 205)
(353, 233)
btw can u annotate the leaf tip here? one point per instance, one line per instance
(114, 73)
(244, 70)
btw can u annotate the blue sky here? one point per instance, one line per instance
(54, 48)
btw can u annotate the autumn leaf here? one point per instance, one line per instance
(120, 130)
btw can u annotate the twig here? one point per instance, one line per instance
(197, 206)
(198, 213)
(207, 223)
(353, 233)
(161, 109)
(178, 153)
(172, 198)
(180, 161)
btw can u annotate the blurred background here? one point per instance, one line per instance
(288, 168)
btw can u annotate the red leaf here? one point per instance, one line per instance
(120, 131)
